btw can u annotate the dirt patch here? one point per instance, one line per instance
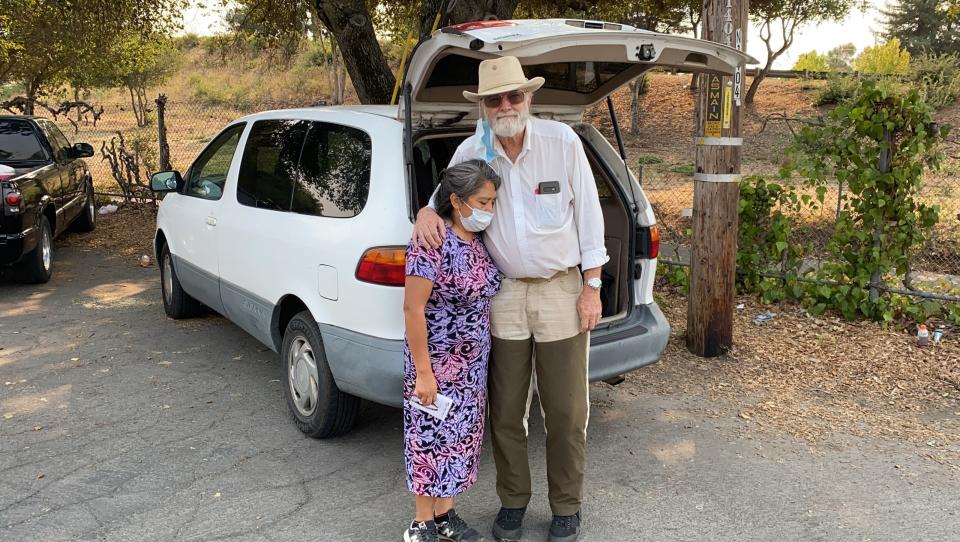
(127, 232)
(814, 377)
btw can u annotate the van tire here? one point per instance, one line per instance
(36, 267)
(316, 404)
(177, 303)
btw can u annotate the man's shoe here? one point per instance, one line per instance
(454, 529)
(565, 528)
(421, 531)
(509, 524)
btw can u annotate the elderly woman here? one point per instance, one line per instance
(447, 306)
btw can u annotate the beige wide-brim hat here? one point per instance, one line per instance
(499, 75)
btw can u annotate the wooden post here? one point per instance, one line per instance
(162, 133)
(716, 188)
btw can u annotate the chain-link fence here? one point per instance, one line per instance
(127, 154)
(935, 268)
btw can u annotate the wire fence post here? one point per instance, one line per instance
(162, 133)
(885, 154)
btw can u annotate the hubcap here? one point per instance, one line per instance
(302, 376)
(167, 280)
(45, 243)
(91, 208)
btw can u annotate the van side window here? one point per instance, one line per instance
(208, 174)
(271, 163)
(335, 180)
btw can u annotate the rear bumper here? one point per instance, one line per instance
(14, 245)
(372, 368)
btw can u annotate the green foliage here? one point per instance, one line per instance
(840, 58)
(47, 43)
(763, 240)
(648, 160)
(839, 88)
(811, 61)
(882, 221)
(884, 59)
(923, 26)
(937, 77)
(684, 169)
(678, 277)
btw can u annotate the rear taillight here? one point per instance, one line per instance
(383, 265)
(654, 249)
(648, 242)
(13, 199)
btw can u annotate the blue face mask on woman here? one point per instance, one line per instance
(476, 222)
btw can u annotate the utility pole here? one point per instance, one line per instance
(716, 188)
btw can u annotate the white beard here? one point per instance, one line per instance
(509, 126)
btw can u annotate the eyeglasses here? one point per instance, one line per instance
(515, 97)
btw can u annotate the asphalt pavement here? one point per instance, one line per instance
(117, 423)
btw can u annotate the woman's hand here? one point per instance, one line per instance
(426, 389)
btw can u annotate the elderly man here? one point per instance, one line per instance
(547, 226)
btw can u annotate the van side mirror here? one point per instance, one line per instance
(82, 150)
(166, 181)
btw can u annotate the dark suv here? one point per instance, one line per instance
(45, 188)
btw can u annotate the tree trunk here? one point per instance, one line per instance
(757, 79)
(351, 27)
(31, 97)
(76, 100)
(463, 12)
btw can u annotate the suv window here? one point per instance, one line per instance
(271, 161)
(208, 174)
(57, 139)
(335, 180)
(19, 143)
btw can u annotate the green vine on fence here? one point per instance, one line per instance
(878, 145)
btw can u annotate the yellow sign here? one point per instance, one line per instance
(727, 106)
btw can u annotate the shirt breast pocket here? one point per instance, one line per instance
(550, 211)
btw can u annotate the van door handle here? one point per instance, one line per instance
(211, 221)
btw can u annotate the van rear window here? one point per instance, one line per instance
(19, 143)
(581, 77)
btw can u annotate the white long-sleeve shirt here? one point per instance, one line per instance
(536, 235)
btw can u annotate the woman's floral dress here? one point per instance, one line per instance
(442, 456)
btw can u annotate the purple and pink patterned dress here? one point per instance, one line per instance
(442, 457)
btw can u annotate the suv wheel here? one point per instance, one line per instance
(36, 266)
(176, 302)
(317, 405)
(87, 220)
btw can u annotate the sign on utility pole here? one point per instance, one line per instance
(716, 190)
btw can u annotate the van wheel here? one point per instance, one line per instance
(177, 303)
(36, 266)
(317, 405)
(87, 220)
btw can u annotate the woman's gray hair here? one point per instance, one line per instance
(464, 179)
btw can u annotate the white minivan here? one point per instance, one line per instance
(292, 224)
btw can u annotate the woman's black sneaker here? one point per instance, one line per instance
(565, 528)
(421, 531)
(454, 529)
(509, 524)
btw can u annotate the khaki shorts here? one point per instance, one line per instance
(544, 308)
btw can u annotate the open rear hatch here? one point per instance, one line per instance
(581, 61)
